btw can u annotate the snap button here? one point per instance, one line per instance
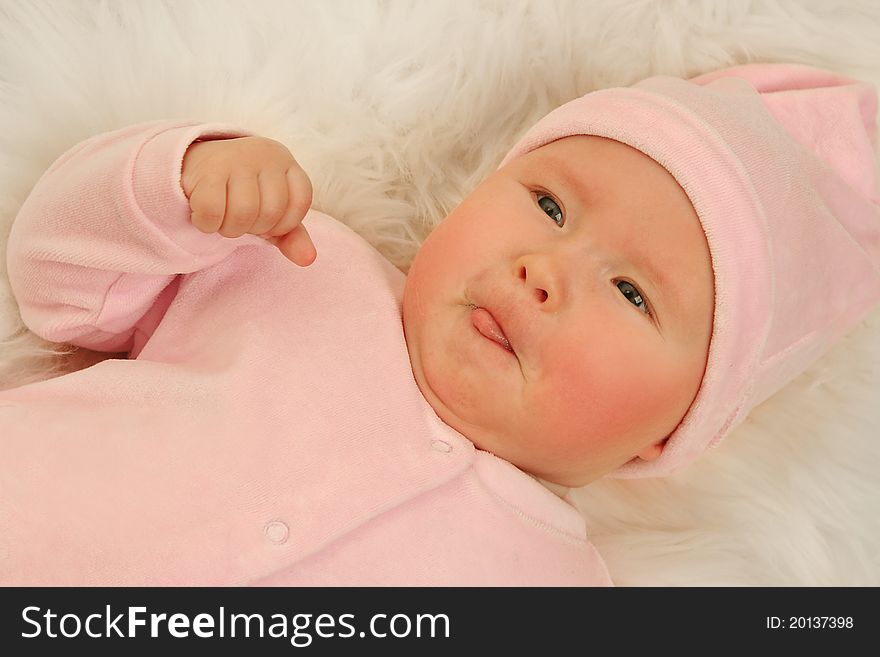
(441, 446)
(277, 531)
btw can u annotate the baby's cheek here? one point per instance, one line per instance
(568, 400)
(590, 396)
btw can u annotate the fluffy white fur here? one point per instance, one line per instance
(397, 110)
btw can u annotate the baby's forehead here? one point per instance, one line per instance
(603, 172)
(597, 166)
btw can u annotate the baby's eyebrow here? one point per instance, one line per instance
(660, 282)
(561, 168)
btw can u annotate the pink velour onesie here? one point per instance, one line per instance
(266, 428)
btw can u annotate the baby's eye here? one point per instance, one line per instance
(632, 293)
(551, 207)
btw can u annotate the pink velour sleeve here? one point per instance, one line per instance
(106, 230)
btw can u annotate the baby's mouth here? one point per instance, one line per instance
(486, 324)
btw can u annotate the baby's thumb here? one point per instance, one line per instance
(297, 246)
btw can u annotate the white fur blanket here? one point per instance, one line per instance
(397, 110)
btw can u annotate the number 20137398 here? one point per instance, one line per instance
(808, 622)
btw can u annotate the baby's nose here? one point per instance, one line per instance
(537, 278)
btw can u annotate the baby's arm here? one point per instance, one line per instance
(106, 229)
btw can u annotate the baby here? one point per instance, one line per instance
(646, 265)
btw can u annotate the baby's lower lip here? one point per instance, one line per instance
(484, 322)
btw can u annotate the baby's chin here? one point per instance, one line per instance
(561, 482)
(558, 489)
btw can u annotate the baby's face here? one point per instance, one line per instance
(568, 247)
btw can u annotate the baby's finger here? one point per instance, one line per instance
(273, 200)
(298, 203)
(242, 205)
(297, 246)
(208, 204)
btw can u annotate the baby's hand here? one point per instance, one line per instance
(250, 185)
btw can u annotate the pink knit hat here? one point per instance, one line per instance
(778, 161)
